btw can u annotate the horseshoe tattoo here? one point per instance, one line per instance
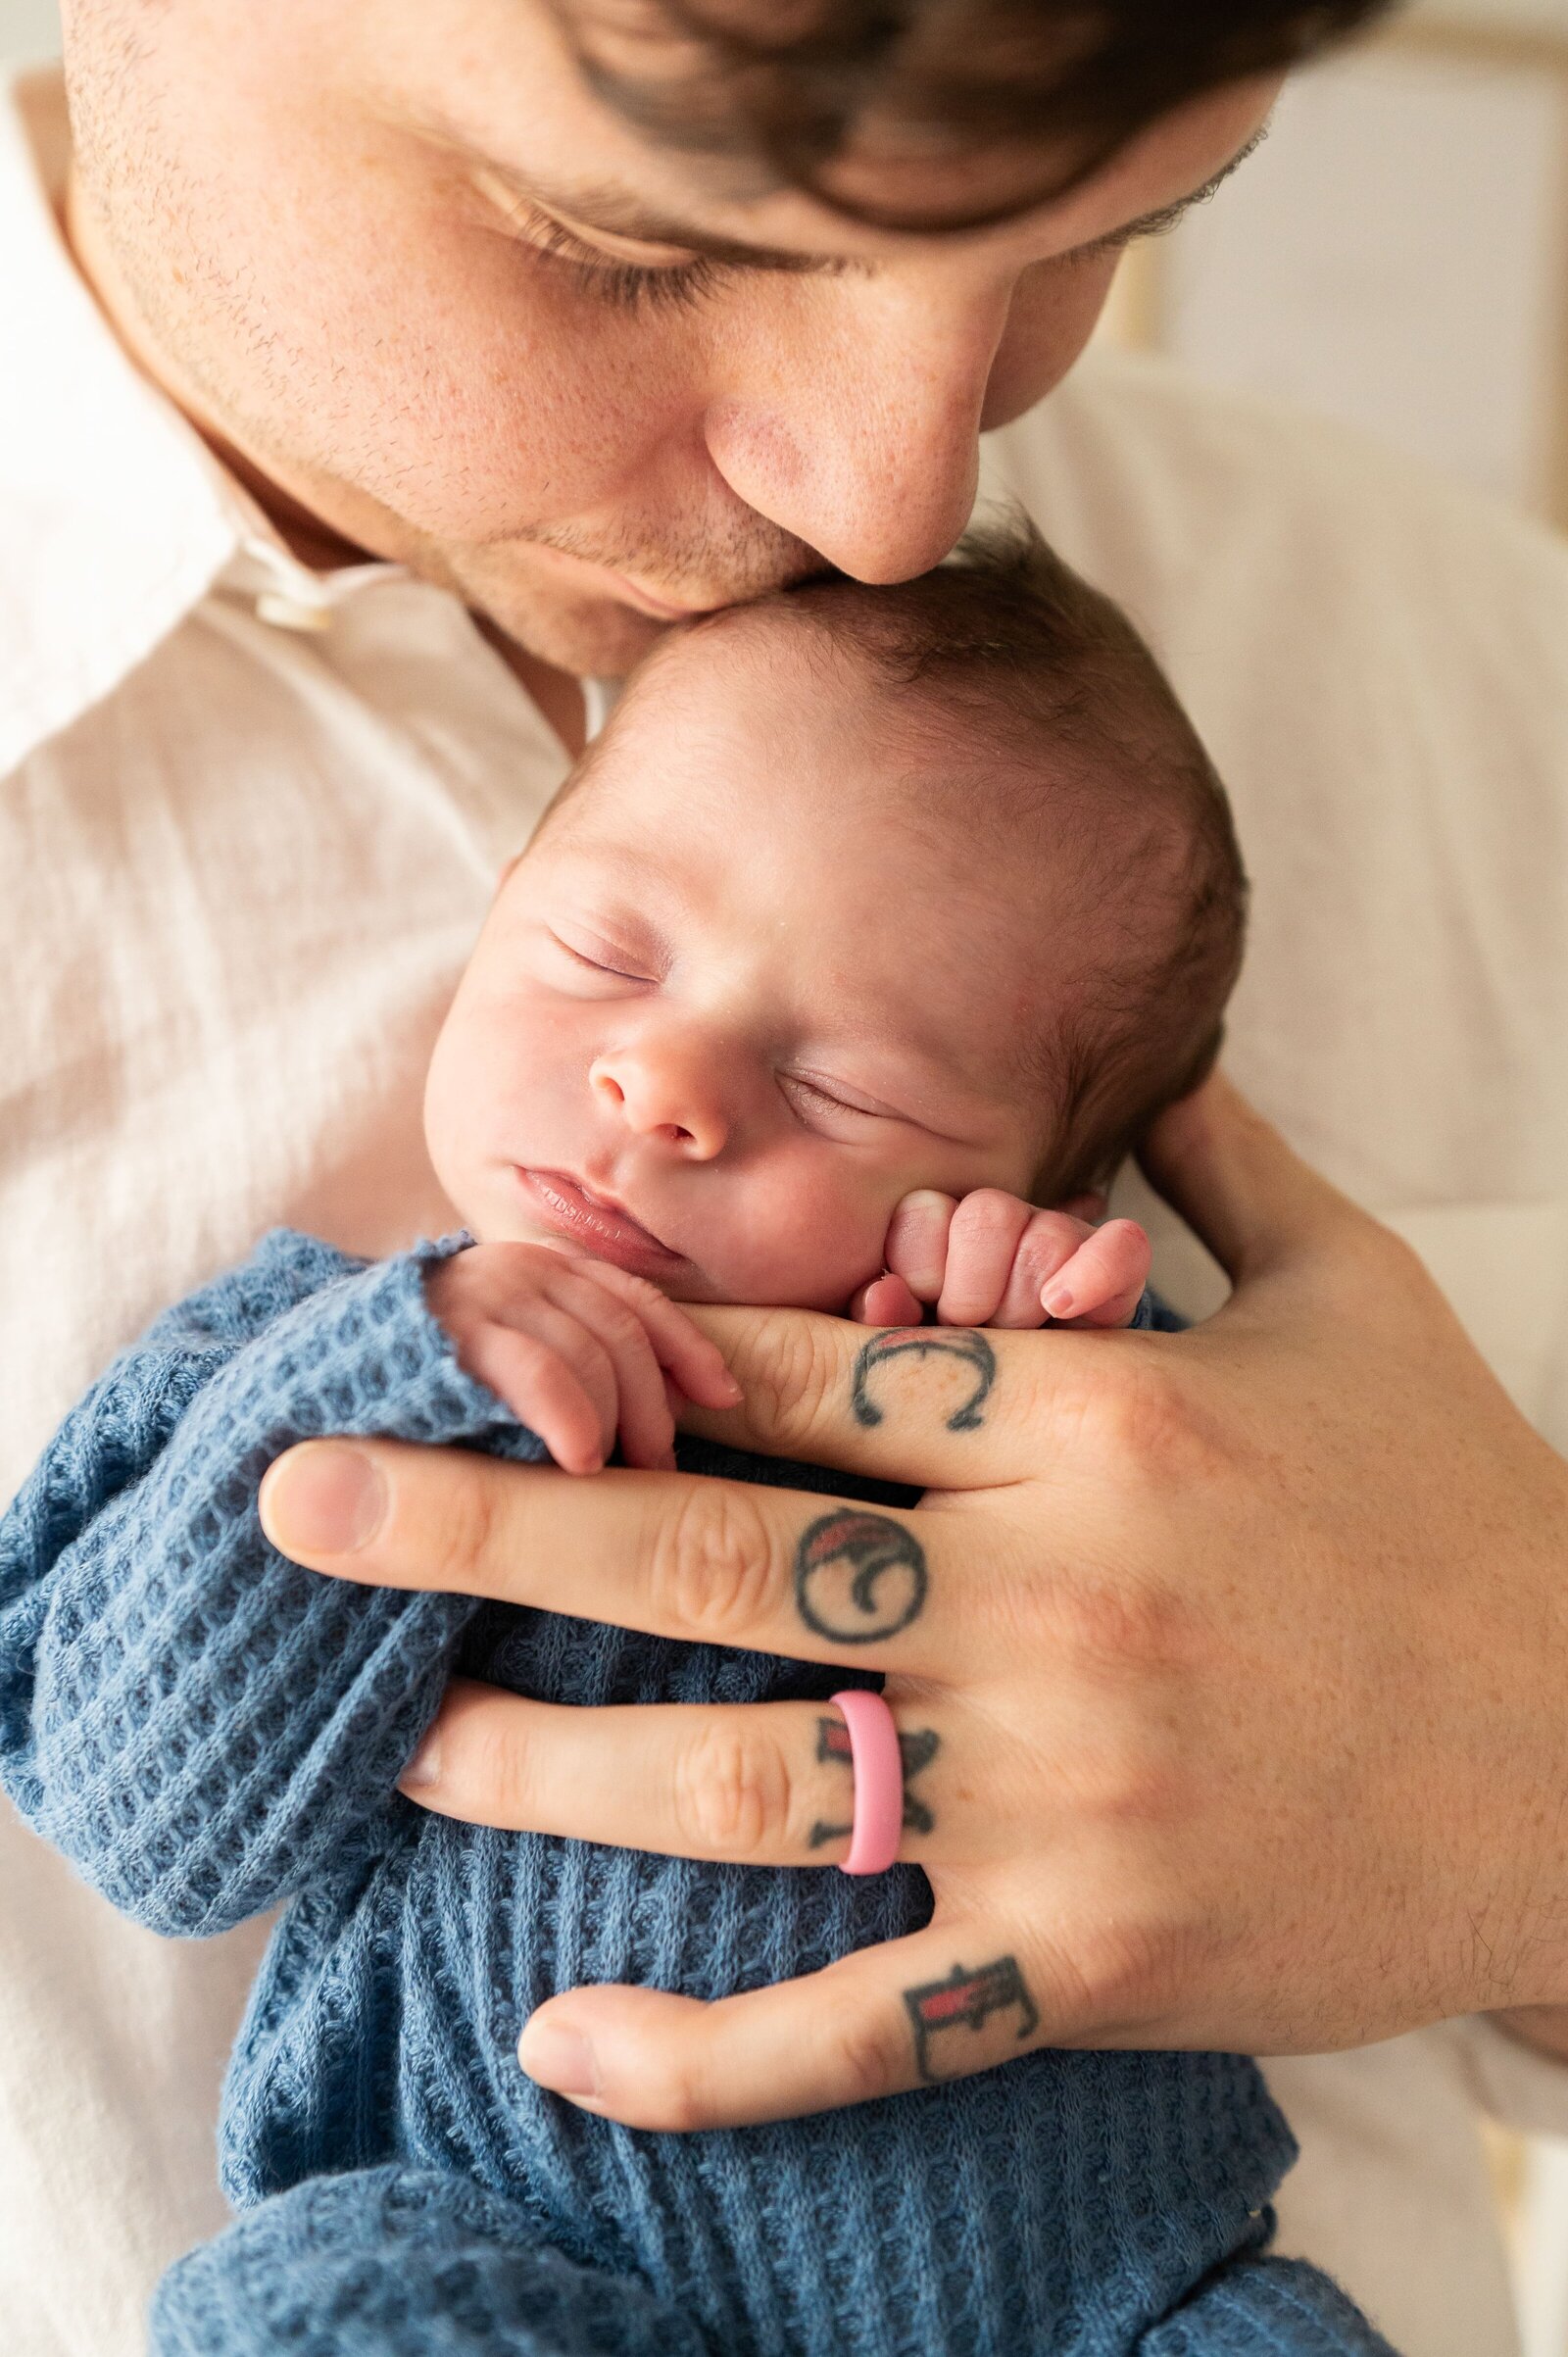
(957, 1342)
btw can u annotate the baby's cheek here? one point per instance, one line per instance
(808, 1241)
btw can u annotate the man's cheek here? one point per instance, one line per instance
(1052, 317)
(484, 417)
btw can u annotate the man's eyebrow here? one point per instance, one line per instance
(614, 209)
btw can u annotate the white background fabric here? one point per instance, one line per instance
(243, 865)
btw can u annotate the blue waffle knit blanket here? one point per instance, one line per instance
(205, 1730)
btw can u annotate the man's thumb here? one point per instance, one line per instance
(1237, 1184)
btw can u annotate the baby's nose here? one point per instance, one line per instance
(660, 1096)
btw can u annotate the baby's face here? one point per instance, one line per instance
(729, 1007)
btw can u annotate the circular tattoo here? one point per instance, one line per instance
(858, 1577)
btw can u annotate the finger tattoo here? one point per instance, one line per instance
(858, 1577)
(916, 1750)
(968, 1349)
(948, 2016)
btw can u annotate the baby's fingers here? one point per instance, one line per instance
(1102, 1281)
(642, 1414)
(681, 1348)
(886, 1301)
(568, 1401)
(916, 1246)
(1046, 1245)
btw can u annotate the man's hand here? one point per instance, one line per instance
(579, 1351)
(993, 1259)
(1232, 1667)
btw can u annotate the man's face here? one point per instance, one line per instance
(399, 259)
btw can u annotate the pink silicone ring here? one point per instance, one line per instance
(878, 1769)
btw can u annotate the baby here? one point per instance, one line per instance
(873, 919)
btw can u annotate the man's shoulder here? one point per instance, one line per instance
(111, 523)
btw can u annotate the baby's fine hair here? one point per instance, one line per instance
(1050, 730)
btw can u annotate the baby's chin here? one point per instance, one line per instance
(690, 1281)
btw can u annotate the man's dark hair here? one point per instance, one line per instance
(1008, 102)
(1044, 728)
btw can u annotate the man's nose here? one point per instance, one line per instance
(663, 1090)
(856, 427)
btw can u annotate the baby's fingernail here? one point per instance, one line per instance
(425, 1765)
(732, 1390)
(324, 1498)
(560, 2059)
(1057, 1301)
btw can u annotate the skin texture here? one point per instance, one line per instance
(1313, 1542)
(279, 207)
(685, 1000)
(688, 1058)
(1243, 1649)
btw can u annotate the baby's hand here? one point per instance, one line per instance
(992, 1261)
(578, 1349)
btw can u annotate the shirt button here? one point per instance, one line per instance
(284, 613)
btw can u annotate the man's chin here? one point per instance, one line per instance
(592, 638)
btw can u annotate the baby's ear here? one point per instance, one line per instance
(506, 868)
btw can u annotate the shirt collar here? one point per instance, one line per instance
(119, 519)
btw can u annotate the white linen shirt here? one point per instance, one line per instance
(243, 860)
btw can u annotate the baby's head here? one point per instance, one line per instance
(859, 891)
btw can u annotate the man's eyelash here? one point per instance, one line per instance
(1117, 241)
(623, 286)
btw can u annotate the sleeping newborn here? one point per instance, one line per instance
(849, 963)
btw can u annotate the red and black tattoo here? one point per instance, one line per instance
(916, 1751)
(858, 1577)
(966, 2001)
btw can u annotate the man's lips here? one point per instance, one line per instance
(600, 1226)
(592, 573)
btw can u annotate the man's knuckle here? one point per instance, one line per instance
(461, 1537)
(500, 1764)
(1103, 1977)
(731, 1794)
(713, 1562)
(674, 2099)
(1377, 1263)
(796, 1378)
(1143, 1421)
